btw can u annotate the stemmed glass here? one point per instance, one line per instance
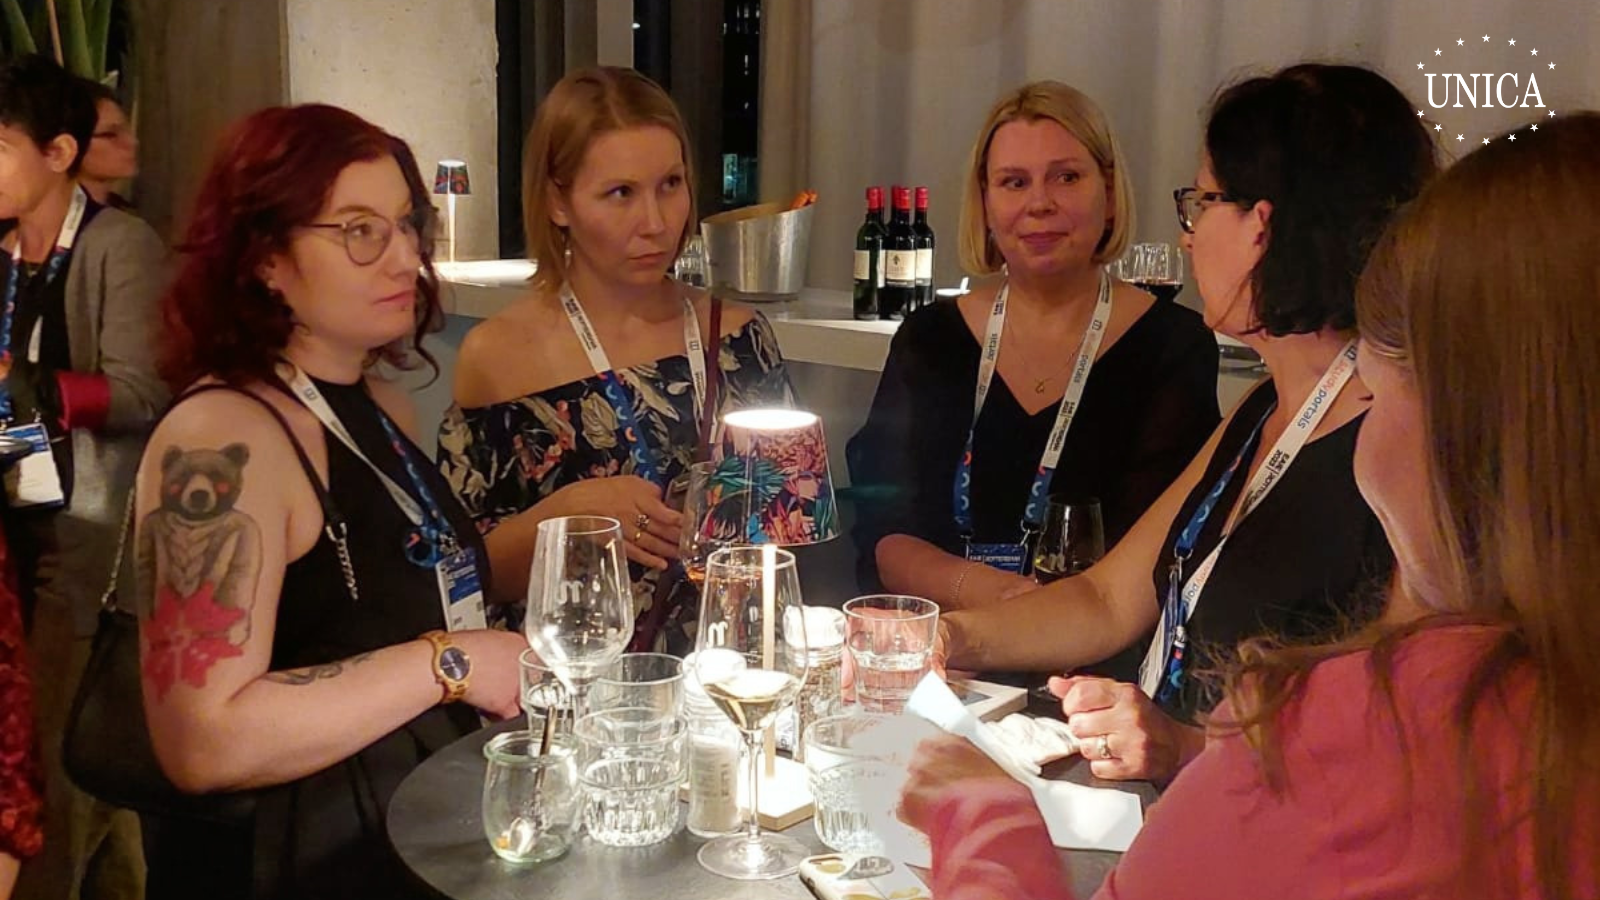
(752, 609)
(701, 533)
(1154, 268)
(1073, 539)
(580, 600)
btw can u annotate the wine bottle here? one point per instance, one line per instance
(900, 260)
(869, 257)
(923, 292)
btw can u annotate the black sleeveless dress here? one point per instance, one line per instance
(323, 835)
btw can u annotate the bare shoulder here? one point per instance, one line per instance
(735, 315)
(511, 346)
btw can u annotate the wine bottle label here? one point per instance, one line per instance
(925, 266)
(863, 265)
(901, 267)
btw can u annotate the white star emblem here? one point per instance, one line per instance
(1419, 65)
(1419, 113)
(1552, 65)
(1438, 128)
(1460, 41)
(1536, 127)
(1536, 51)
(1461, 137)
(1486, 140)
(1438, 52)
(1552, 114)
(1486, 40)
(1513, 137)
(1512, 42)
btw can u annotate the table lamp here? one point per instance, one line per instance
(450, 179)
(771, 485)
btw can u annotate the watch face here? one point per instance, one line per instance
(454, 663)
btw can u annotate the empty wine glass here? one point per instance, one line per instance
(1073, 539)
(752, 611)
(1154, 268)
(580, 604)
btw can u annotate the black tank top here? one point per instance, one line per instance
(1310, 557)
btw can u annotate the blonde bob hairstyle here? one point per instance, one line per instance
(582, 106)
(1073, 110)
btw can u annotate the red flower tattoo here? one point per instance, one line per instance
(187, 636)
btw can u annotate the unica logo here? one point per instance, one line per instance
(1513, 83)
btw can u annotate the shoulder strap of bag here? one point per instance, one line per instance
(333, 523)
(708, 410)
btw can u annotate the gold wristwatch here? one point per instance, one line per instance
(451, 665)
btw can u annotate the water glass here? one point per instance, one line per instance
(890, 639)
(530, 800)
(542, 692)
(631, 766)
(641, 681)
(856, 765)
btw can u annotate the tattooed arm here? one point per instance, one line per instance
(223, 507)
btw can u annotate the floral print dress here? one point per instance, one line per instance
(504, 458)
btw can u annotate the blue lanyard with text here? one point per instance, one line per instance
(1033, 514)
(644, 459)
(8, 306)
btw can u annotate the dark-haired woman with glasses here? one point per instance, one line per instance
(1265, 533)
(312, 618)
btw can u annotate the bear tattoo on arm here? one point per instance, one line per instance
(198, 562)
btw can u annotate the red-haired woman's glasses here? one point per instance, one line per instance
(367, 236)
(1191, 202)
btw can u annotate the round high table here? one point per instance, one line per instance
(436, 826)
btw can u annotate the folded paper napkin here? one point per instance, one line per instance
(1035, 739)
(1079, 817)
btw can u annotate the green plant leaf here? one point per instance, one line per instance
(75, 38)
(19, 37)
(98, 14)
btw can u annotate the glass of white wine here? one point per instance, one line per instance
(752, 609)
(580, 600)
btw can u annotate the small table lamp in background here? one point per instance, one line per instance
(780, 460)
(450, 179)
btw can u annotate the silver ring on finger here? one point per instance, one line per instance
(1102, 746)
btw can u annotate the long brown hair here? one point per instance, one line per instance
(581, 107)
(1487, 290)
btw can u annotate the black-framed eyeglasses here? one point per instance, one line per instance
(1190, 201)
(367, 236)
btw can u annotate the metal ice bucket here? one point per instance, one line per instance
(758, 250)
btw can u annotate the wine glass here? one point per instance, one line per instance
(702, 533)
(1073, 539)
(752, 610)
(1154, 268)
(580, 600)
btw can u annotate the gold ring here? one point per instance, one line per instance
(1102, 746)
(638, 534)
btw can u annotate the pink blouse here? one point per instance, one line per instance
(1359, 817)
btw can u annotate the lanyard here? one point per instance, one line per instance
(431, 539)
(1033, 515)
(1166, 649)
(52, 267)
(644, 461)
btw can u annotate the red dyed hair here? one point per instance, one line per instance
(273, 171)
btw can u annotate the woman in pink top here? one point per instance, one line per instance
(1448, 752)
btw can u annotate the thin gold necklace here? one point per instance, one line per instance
(1038, 383)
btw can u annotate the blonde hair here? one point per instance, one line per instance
(582, 106)
(1494, 315)
(1073, 110)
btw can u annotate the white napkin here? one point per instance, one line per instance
(1036, 739)
(1079, 817)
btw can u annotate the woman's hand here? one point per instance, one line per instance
(649, 526)
(1122, 733)
(493, 685)
(941, 763)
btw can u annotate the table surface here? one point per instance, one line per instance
(436, 825)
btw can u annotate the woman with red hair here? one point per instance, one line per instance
(300, 560)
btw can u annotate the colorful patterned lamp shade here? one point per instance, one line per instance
(771, 483)
(451, 180)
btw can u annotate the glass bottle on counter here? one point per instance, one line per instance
(923, 292)
(713, 747)
(900, 260)
(823, 693)
(869, 257)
